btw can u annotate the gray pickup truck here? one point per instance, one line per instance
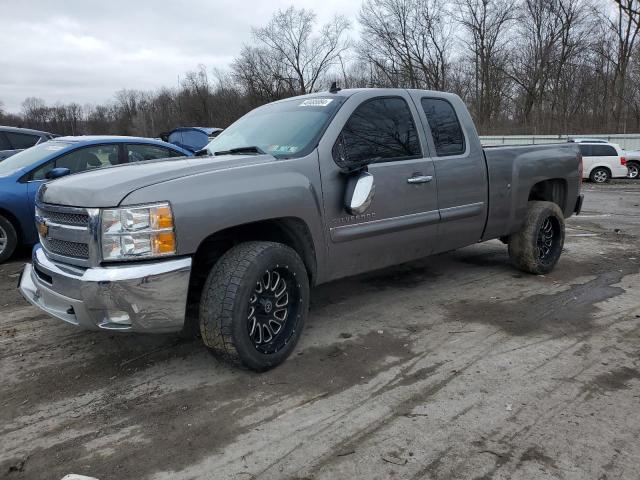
(295, 193)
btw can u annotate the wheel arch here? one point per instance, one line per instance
(290, 231)
(552, 190)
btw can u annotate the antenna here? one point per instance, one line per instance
(334, 88)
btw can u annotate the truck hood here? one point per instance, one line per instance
(107, 187)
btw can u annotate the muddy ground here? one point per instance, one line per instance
(453, 367)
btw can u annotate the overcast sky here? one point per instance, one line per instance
(85, 50)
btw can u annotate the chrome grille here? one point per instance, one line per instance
(67, 237)
(77, 219)
(65, 248)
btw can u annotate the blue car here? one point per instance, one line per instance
(191, 138)
(22, 174)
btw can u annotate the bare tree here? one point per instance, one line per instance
(289, 36)
(407, 41)
(485, 23)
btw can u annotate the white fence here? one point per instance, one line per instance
(626, 141)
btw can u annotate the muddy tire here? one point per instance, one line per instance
(600, 175)
(8, 239)
(254, 304)
(537, 246)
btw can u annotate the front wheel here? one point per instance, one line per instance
(537, 246)
(633, 170)
(254, 304)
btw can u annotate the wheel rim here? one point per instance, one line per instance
(4, 240)
(600, 176)
(633, 171)
(547, 241)
(272, 311)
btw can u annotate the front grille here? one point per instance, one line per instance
(66, 249)
(62, 218)
(67, 235)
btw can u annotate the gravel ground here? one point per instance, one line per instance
(453, 367)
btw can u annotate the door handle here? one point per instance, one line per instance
(420, 179)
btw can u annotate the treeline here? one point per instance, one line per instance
(522, 66)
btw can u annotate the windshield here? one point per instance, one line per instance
(30, 156)
(284, 129)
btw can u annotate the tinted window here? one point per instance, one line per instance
(22, 140)
(96, 156)
(139, 153)
(603, 151)
(4, 143)
(585, 150)
(381, 129)
(445, 127)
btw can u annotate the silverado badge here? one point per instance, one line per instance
(43, 228)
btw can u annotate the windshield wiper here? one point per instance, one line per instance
(237, 150)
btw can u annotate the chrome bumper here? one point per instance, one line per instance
(142, 297)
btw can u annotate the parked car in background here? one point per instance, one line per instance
(22, 174)
(191, 138)
(602, 161)
(296, 192)
(633, 164)
(587, 140)
(14, 140)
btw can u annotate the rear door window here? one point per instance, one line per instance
(380, 130)
(140, 152)
(22, 140)
(445, 127)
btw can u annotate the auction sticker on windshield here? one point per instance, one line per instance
(316, 102)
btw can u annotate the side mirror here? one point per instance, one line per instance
(57, 173)
(359, 194)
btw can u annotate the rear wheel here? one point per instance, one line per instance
(537, 246)
(600, 175)
(254, 304)
(633, 170)
(8, 239)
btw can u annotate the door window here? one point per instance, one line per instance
(88, 158)
(378, 130)
(22, 140)
(140, 152)
(444, 125)
(4, 143)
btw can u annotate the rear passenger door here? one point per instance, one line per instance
(401, 223)
(460, 170)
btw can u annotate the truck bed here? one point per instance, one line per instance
(513, 174)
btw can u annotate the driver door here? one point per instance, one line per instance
(401, 222)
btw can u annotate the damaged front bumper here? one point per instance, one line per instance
(138, 297)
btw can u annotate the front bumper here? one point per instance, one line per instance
(137, 297)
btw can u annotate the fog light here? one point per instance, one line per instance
(118, 317)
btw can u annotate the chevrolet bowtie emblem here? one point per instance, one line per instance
(43, 228)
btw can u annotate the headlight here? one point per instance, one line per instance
(138, 232)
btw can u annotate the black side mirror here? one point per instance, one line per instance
(57, 173)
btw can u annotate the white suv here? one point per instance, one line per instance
(602, 161)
